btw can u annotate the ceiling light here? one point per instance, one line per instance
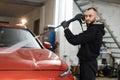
(23, 21)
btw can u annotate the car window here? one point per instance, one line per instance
(11, 36)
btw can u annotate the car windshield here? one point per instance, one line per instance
(11, 36)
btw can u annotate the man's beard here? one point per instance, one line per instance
(91, 22)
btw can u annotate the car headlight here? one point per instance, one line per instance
(65, 73)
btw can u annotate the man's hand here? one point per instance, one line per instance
(65, 24)
(79, 17)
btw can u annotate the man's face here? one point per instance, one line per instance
(90, 16)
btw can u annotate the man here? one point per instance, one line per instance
(90, 41)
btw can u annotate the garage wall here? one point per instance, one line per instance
(31, 17)
(49, 12)
(12, 20)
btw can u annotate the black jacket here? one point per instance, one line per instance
(90, 41)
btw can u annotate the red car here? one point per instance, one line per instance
(23, 57)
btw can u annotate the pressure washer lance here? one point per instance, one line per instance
(79, 17)
(46, 32)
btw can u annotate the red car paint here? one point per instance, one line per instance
(30, 63)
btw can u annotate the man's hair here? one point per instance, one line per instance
(92, 8)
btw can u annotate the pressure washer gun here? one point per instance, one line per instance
(78, 17)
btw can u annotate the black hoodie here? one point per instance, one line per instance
(90, 41)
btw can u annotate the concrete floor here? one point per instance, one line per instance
(106, 79)
(101, 78)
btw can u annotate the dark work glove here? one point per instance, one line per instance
(79, 17)
(65, 24)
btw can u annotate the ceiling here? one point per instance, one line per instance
(111, 1)
(108, 1)
(17, 8)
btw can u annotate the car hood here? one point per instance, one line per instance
(30, 59)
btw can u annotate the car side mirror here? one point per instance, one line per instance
(47, 45)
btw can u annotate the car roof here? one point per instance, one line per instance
(13, 25)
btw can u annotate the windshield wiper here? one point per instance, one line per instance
(2, 45)
(27, 47)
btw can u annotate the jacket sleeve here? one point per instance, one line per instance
(86, 36)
